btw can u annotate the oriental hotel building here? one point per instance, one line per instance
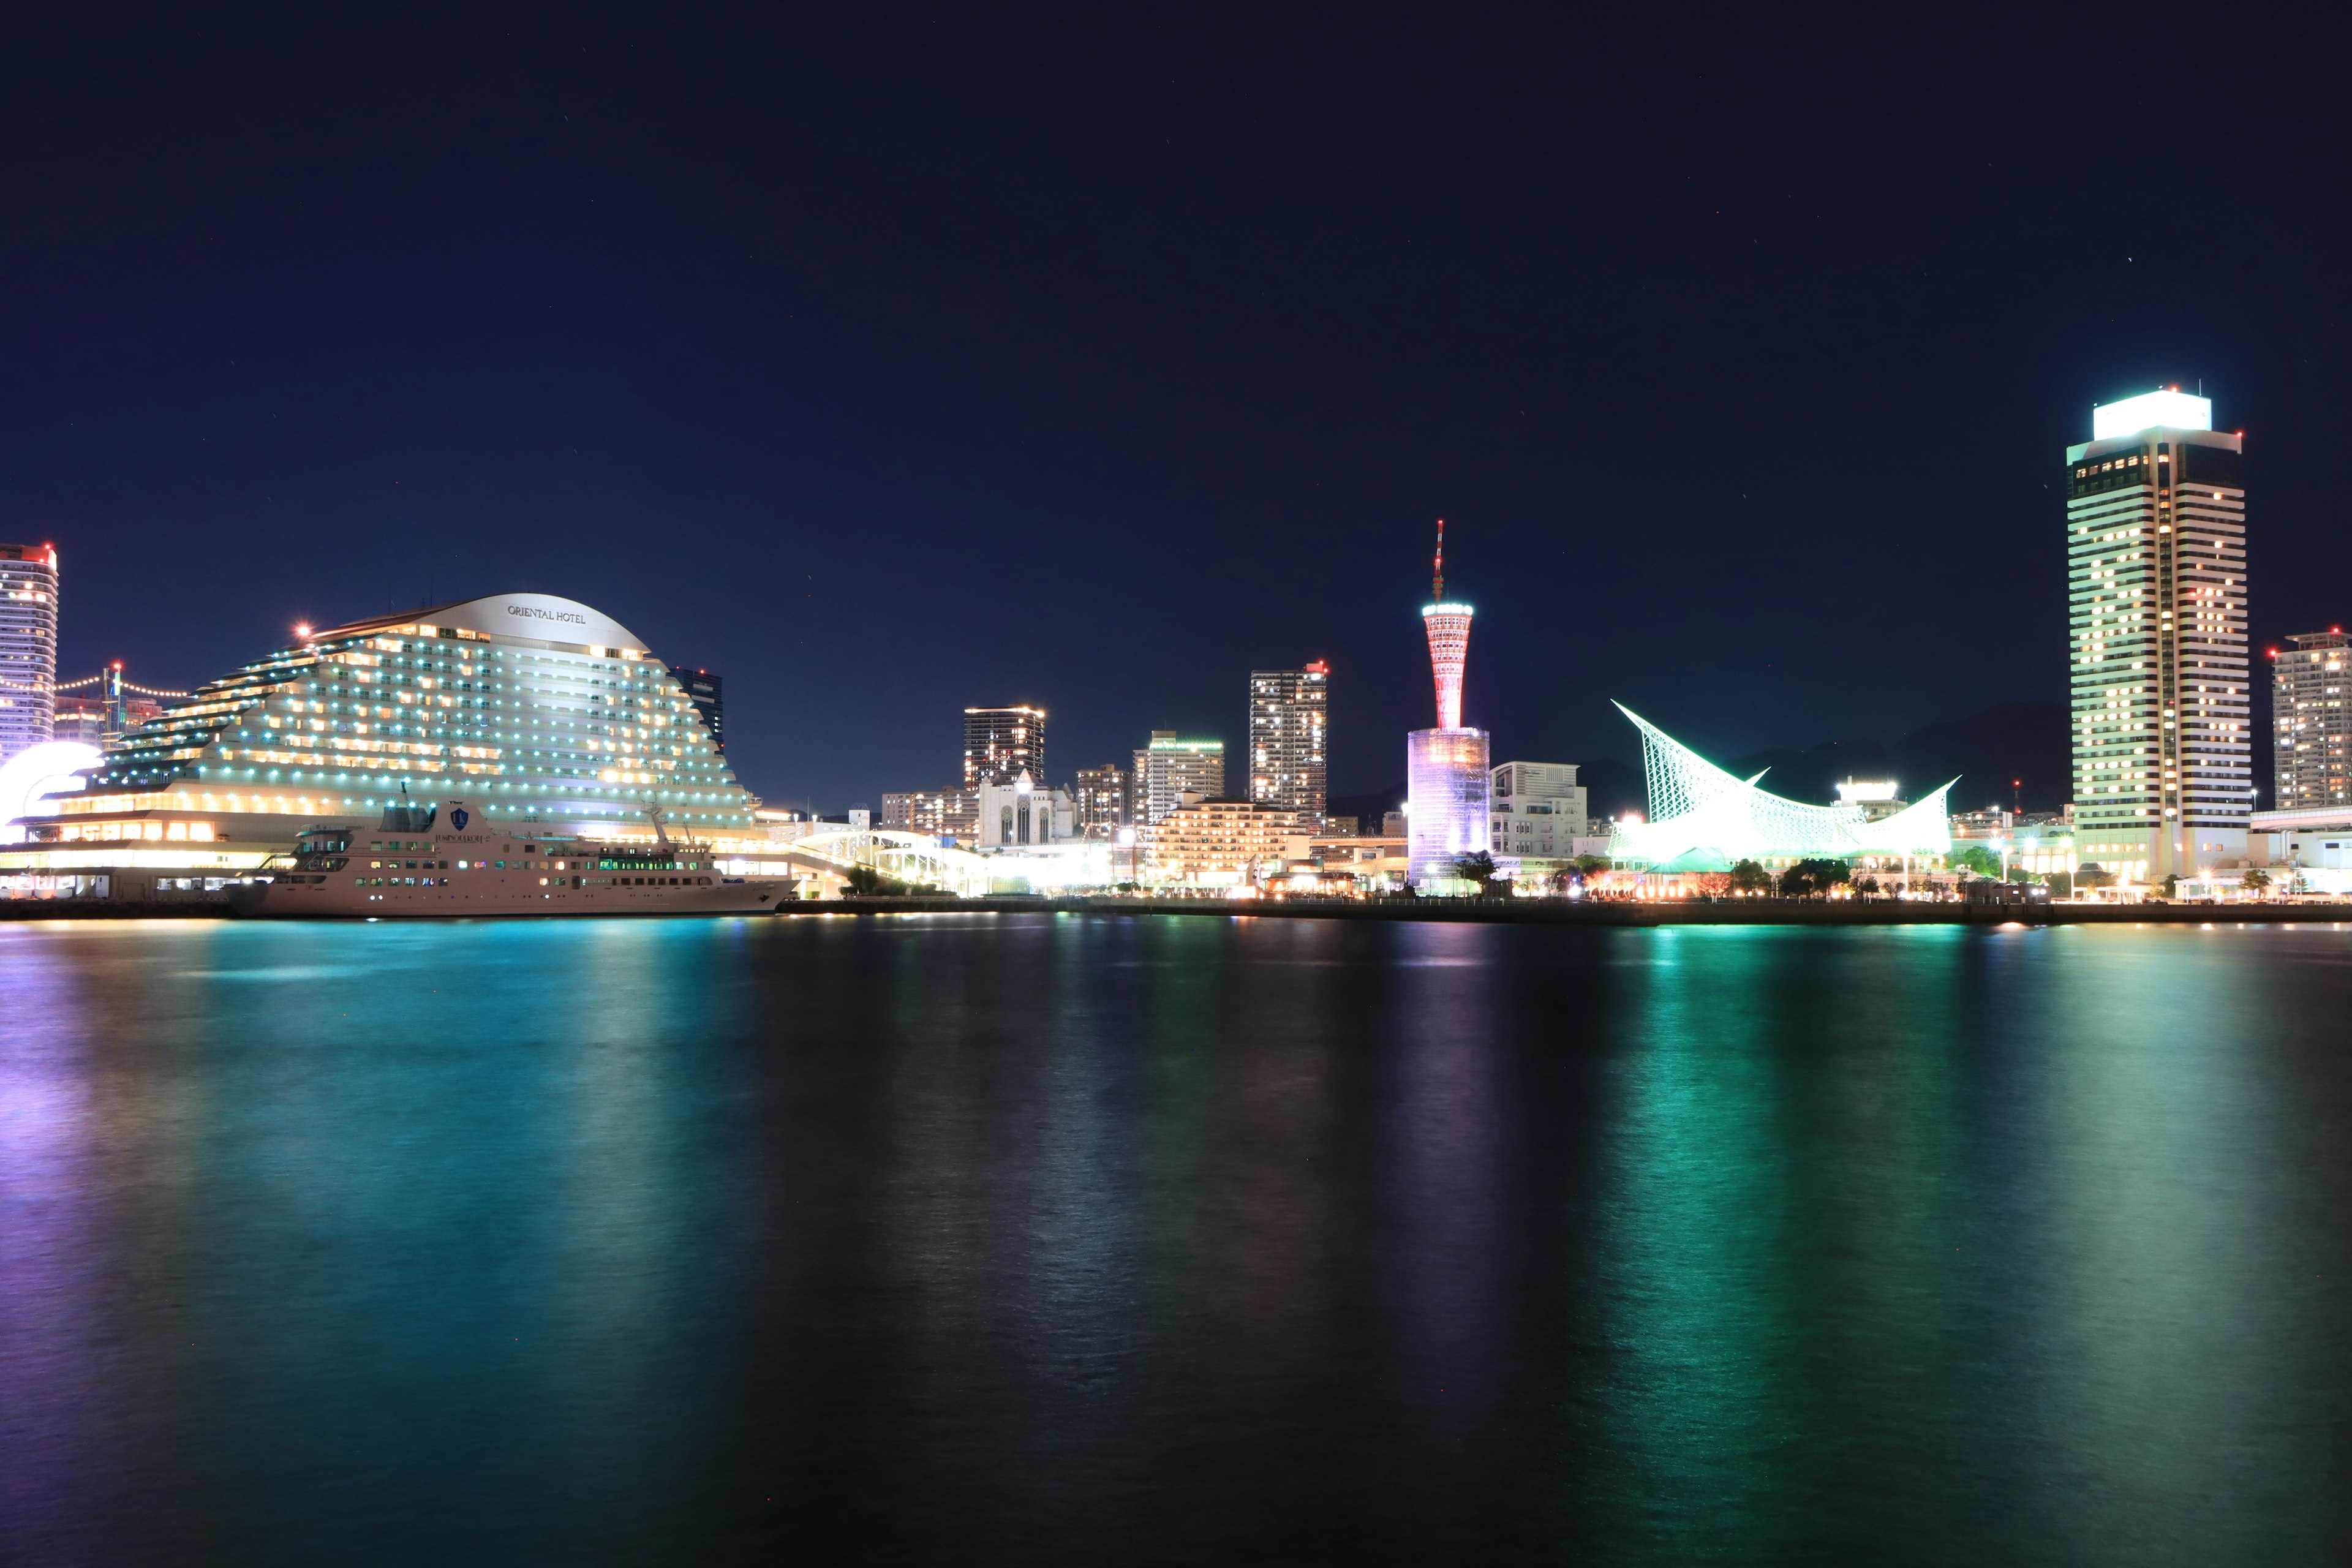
(2156, 545)
(538, 714)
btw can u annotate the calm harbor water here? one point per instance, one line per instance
(1060, 1239)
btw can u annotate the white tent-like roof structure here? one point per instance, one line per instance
(1702, 818)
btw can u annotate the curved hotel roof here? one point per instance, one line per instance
(532, 709)
(1704, 820)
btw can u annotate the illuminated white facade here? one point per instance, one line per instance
(28, 646)
(2155, 541)
(1705, 819)
(1020, 814)
(1168, 769)
(536, 714)
(1536, 810)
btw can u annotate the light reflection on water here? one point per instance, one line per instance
(1064, 1240)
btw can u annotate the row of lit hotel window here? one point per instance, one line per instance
(576, 881)
(120, 832)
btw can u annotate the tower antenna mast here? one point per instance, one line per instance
(1437, 578)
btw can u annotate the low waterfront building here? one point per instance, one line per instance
(950, 815)
(2306, 849)
(1878, 798)
(1218, 843)
(1378, 864)
(1536, 810)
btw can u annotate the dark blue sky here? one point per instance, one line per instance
(1092, 358)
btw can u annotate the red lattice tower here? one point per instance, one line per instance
(1449, 641)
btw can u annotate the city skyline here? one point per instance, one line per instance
(797, 322)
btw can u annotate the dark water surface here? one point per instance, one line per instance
(1057, 1239)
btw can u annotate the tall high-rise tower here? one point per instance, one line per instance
(2311, 719)
(1289, 710)
(1001, 743)
(28, 646)
(1446, 778)
(2156, 545)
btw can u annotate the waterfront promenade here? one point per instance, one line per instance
(1470, 911)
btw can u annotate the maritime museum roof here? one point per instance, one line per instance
(1702, 818)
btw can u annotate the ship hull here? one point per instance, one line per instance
(458, 897)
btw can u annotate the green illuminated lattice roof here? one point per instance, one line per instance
(1704, 820)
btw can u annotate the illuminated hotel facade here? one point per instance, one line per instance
(1170, 769)
(28, 646)
(2156, 543)
(1447, 775)
(540, 714)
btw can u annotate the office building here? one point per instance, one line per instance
(1214, 843)
(707, 692)
(1169, 768)
(951, 816)
(1022, 814)
(1105, 801)
(1001, 743)
(523, 711)
(2156, 545)
(1536, 810)
(29, 645)
(1289, 710)
(1447, 768)
(2310, 720)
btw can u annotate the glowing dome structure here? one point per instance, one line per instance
(1704, 820)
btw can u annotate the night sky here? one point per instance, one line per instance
(895, 362)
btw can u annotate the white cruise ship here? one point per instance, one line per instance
(419, 864)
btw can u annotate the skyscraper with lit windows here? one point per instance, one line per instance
(2156, 545)
(29, 645)
(2311, 719)
(1001, 743)
(1289, 719)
